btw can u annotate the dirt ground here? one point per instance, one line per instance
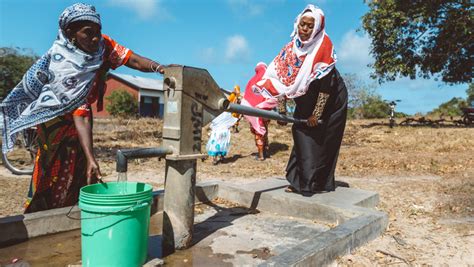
(424, 175)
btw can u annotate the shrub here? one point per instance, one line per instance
(14, 62)
(450, 108)
(121, 104)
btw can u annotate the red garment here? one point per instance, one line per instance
(60, 164)
(115, 56)
(251, 97)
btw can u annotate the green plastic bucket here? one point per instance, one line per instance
(114, 223)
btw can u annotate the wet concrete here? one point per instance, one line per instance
(239, 236)
(223, 236)
(279, 229)
(64, 248)
(53, 250)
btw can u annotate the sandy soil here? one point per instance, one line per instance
(424, 175)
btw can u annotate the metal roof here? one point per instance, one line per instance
(139, 82)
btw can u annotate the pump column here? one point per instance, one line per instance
(182, 134)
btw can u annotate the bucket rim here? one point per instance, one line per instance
(84, 190)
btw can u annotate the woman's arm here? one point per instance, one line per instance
(84, 130)
(144, 64)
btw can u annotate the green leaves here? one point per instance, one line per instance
(423, 38)
(364, 102)
(121, 104)
(14, 62)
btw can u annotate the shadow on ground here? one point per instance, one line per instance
(275, 147)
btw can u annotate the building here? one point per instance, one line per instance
(148, 92)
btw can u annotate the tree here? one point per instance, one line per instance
(121, 104)
(421, 38)
(374, 107)
(357, 90)
(364, 102)
(470, 95)
(14, 62)
(450, 108)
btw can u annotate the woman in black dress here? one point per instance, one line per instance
(305, 71)
(314, 155)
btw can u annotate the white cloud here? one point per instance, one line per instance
(248, 7)
(354, 53)
(236, 48)
(418, 95)
(145, 9)
(208, 55)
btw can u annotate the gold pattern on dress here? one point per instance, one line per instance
(320, 104)
(282, 105)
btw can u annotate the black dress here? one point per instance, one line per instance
(314, 155)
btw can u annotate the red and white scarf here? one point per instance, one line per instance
(299, 62)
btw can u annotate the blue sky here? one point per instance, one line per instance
(226, 37)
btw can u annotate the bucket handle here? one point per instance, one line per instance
(139, 204)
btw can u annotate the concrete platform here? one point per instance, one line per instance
(267, 227)
(349, 212)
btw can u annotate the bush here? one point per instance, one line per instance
(470, 95)
(121, 104)
(374, 107)
(364, 102)
(14, 62)
(450, 108)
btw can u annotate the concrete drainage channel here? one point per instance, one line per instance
(269, 227)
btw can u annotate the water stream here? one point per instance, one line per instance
(122, 185)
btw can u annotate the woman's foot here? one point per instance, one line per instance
(260, 155)
(290, 189)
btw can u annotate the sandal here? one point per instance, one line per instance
(257, 158)
(290, 189)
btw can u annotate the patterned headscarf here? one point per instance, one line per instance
(299, 62)
(56, 84)
(78, 12)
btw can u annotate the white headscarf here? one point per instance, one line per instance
(299, 62)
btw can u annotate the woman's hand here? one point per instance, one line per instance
(93, 171)
(282, 123)
(161, 69)
(312, 121)
(84, 131)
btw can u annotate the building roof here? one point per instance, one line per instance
(139, 82)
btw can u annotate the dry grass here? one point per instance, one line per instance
(424, 177)
(366, 151)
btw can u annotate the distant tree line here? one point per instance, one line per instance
(14, 62)
(364, 101)
(453, 106)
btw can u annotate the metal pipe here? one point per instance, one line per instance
(14, 169)
(123, 155)
(225, 105)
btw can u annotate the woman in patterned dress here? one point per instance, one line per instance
(56, 94)
(305, 71)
